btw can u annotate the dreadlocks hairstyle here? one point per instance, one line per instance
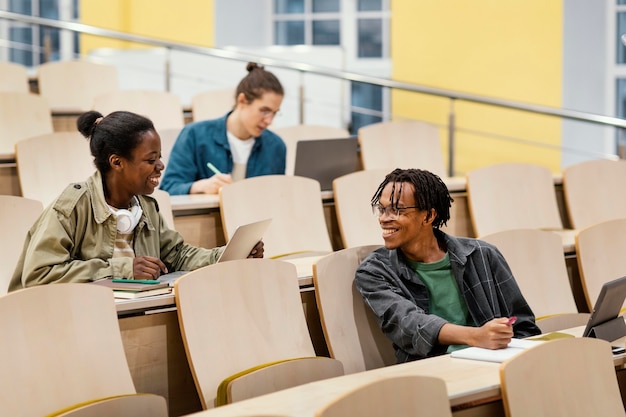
(430, 192)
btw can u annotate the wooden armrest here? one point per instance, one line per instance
(130, 405)
(276, 376)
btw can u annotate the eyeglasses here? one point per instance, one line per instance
(267, 113)
(391, 212)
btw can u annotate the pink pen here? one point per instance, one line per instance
(511, 320)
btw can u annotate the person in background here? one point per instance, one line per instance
(109, 226)
(431, 292)
(212, 153)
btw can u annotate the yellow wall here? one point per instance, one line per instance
(189, 21)
(504, 49)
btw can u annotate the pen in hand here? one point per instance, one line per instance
(511, 320)
(212, 168)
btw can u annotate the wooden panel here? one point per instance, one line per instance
(157, 361)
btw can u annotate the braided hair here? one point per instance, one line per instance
(430, 192)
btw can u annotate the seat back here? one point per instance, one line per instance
(538, 265)
(164, 109)
(398, 396)
(239, 314)
(64, 344)
(165, 206)
(292, 134)
(293, 203)
(212, 104)
(18, 216)
(353, 194)
(350, 328)
(22, 115)
(594, 192)
(168, 139)
(73, 85)
(47, 164)
(402, 144)
(572, 377)
(600, 254)
(512, 196)
(13, 77)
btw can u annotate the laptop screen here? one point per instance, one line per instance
(606, 309)
(326, 159)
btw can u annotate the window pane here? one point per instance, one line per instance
(288, 6)
(326, 32)
(368, 5)
(289, 33)
(23, 40)
(621, 29)
(20, 6)
(370, 38)
(368, 96)
(324, 6)
(359, 120)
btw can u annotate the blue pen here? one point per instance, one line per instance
(212, 168)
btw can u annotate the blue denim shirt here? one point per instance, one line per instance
(206, 141)
(400, 300)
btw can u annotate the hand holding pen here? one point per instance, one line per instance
(213, 184)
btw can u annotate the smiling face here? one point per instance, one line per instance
(258, 114)
(141, 173)
(411, 225)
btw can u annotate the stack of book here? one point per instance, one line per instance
(135, 288)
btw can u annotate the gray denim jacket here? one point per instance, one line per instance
(73, 239)
(400, 301)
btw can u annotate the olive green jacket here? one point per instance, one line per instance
(73, 239)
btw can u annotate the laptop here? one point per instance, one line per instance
(326, 159)
(238, 246)
(605, 321)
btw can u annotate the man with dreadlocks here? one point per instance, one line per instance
(431, 292)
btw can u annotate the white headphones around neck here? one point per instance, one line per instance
(127, 220)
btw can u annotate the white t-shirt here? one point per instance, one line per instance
(241, 150)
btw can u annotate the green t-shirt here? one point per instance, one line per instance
(445, 298)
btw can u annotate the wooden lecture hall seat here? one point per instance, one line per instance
(253, 308)
(292, 202)
(13, 77)
(402, 144)
(22, 115)
(164, 109)
(18, 215)
(353, 194)
(515, 196)
(397, 396)
(47, 164)
(65, 359)
(573, 377)
(600, 250)
(212, 104)
(350, 328)
(537, 262)
(594, 191)
(72, 86)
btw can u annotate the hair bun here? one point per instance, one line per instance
(252, 66)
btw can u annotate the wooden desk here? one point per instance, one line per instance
(473, 387)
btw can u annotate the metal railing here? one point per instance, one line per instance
(453, 96)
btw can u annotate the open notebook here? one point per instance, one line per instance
(605, 322)
(238, 246)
